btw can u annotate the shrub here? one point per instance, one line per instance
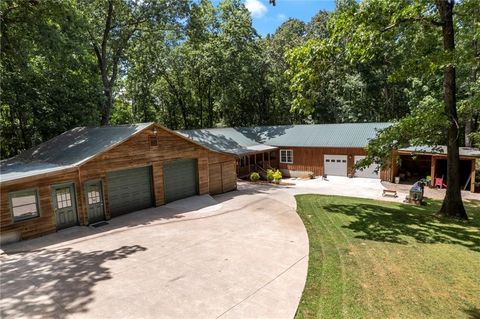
(254, 177)
(277, 176)
(311, 175)
(270, 175)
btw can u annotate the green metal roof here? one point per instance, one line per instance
(441, 149)
(316, 135)
(66, 150)
(227, 140)
(243, 140)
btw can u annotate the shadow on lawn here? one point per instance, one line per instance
(401, 225)
(54, 283)
(473, 313)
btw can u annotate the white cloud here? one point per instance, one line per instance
(281, 17)
(256, 8)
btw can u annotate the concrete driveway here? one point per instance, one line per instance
(242, 255)
(343, 186)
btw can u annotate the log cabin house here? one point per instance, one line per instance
(297, 150)
(327, 149)
(86, 175)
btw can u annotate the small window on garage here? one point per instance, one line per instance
(344, 161)
(93, 196)
(286, 156)
(339, 161)
(328, 161)
(64, 198)
(24, 204)
(153, 140)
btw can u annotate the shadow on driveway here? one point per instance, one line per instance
(54, 283)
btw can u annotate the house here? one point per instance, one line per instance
(331, 149)
(86, 175)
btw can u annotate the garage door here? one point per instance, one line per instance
(335, 164)
(129, 190)
(180, 178)
(368, 172)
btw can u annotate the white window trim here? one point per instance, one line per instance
(286, 156)
(24, 191)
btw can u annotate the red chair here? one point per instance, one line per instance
(439, 184)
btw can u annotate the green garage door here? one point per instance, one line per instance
(180, 178)
(129, 190)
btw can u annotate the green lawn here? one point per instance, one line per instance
(373, 259)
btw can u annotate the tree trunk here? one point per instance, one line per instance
(452, 204)
(107, 106)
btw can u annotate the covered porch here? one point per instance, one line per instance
(415, 165)
(258, 161)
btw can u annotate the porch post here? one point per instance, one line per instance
(472, 177)
(433, 169)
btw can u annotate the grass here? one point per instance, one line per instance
(373, 259)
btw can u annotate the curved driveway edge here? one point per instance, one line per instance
(247, 258)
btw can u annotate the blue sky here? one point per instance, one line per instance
(267, 18)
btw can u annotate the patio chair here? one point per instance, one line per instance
(439, 184)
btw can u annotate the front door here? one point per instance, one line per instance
(94, 193)
(65, 205)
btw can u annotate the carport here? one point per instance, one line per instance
(419, 162)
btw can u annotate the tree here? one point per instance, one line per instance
(452, 204)
(113, 25)
(48, 75)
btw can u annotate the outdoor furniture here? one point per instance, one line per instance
(439, 184)
(389, 192)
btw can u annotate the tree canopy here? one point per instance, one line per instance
(191, 64)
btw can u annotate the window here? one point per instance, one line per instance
(286, 156)
(24, 204)
(328, 161)
(64, 198)
(93, 196)
(153, 140)
(344, 161)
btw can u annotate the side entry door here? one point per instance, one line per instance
(65, 205)
(95, 207)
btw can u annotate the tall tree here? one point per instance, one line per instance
(48, 80)
(452, 204)
(112, 25)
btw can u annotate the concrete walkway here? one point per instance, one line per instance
(242, 255)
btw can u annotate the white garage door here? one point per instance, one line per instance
(335, 164)
(368, 172)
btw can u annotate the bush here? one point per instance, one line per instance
(254, 177)
(311, 176)
(270, 175)
(277, 176)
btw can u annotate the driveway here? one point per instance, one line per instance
(243, 254)
(344, 186)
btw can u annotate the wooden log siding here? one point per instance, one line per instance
(222, 173)
(46, 222)
(311, 159)
(134, 152)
